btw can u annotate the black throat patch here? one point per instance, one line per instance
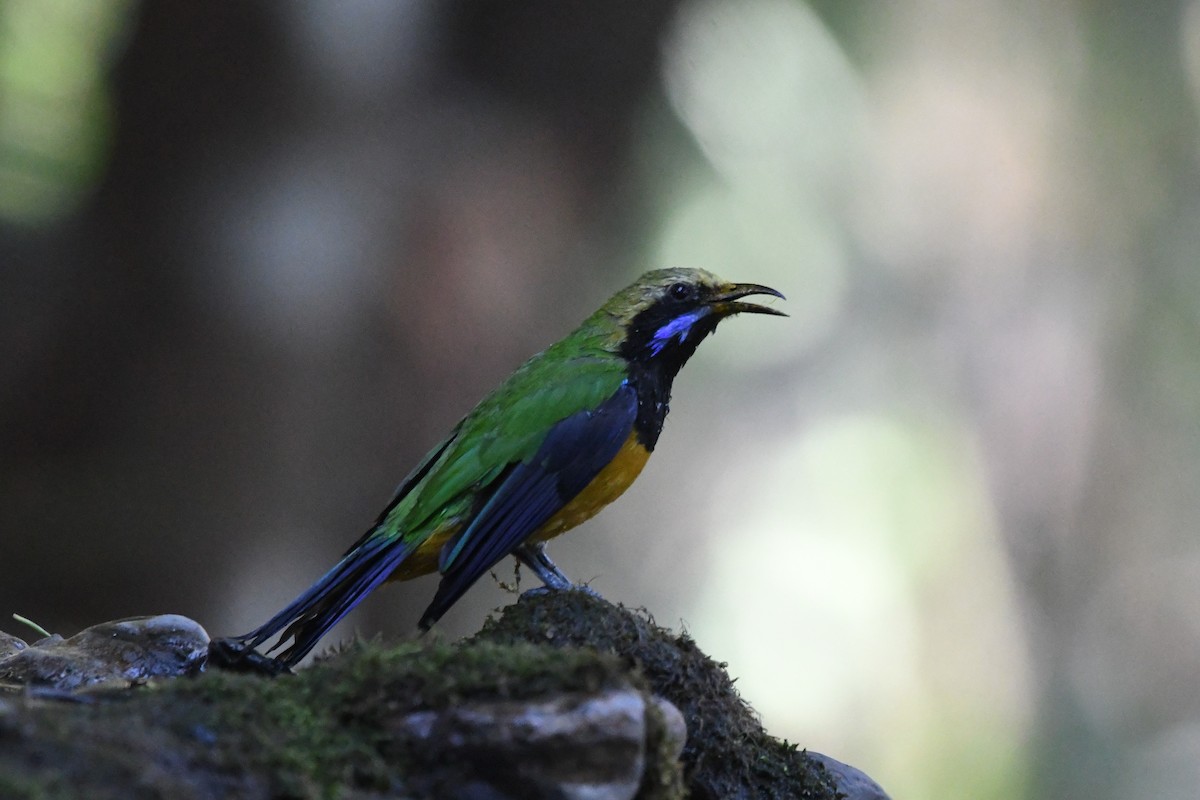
(654, 365)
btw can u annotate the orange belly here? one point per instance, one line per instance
(607, 486)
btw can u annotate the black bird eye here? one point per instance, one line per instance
(679, 291)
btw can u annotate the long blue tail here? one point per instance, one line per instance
(310, 616)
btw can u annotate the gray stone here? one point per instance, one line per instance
(851, 781)
(111, 654)
(576, 747)
(10, 645)
(676, 725)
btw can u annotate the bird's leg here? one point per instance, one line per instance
(534, 556)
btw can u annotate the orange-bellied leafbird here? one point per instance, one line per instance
(560, 439)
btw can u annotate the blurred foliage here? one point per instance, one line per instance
(256, 258)
(54, 106)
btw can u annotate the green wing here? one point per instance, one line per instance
(506, 427)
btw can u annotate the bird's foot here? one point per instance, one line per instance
(588, 590)
(234, 656)
(542, 591)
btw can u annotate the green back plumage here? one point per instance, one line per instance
(509, 425)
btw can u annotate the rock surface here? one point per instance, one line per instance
(10, 645)
(572, 746)
(110, 655)
(851, 781)
(415, 720)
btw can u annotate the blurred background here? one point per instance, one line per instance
(256, 258)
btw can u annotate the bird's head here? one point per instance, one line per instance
(665, 314)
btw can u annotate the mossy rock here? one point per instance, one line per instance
(728, 755)
(330, 731)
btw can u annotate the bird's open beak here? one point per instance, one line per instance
(725, 303)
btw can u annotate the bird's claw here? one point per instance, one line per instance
(233, 656)
(543, 591)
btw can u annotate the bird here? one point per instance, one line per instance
(557, 441)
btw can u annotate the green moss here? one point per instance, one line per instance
(328, 726)
(326, 732)
(727, 755)
(28, 787)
